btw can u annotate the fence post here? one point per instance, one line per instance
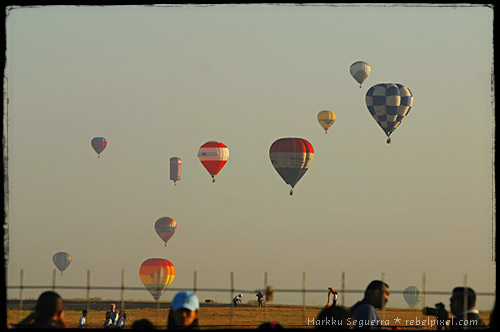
(424, 288)
(465, 301)
(266, 284)
(122, 292)
(343, 288)
(383, 303)
(54, 280)
(194, 282)
(21, 277)
(304, 297)
(232, 286)
(157, 324)
(88, 290)
(231, 300)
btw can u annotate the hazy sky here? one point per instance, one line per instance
(160, 81)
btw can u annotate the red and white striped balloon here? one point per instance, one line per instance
(213, 155)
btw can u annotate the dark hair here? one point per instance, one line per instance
(143, 324)
(375, 285)
(270, 325)
(48, 304)
(172, 326)
(337, 314)
(471, 295)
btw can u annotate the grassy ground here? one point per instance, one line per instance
(245, 317)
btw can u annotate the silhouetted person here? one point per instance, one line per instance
(493, 315)
(466, 315)
(333, 317)
(49, 313)
(143, 324)
(270, 325)
(364, 312)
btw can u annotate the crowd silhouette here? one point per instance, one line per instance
(184, 313)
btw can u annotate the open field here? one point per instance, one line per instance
(222, 315)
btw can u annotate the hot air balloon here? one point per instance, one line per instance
(291, 157)
(412, 295)
(326, 119)
(389, 104)
(213, 155)
(165, 227)
(62, 260)
(157, 274)
(175, 169)
(99, 144)
(360, 70)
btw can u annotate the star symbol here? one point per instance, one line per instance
(397, 320)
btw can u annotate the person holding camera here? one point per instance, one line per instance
(364, 312)
(463, 307)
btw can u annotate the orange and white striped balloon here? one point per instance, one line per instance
(157, 274)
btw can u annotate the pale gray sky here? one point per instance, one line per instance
(160, 81)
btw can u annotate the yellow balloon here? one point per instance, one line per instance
(326, 119)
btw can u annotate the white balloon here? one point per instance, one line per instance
(412, 295)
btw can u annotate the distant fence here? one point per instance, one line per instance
(342, 291)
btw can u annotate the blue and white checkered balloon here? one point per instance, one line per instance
(389, 103)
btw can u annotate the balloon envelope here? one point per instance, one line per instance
(360, 71)
(165, 227)
(62, 260)
(175, 169)
(157, 274)
(326, 119)
(291, 157)
(412, 295)
(389, 104)
(213, 155)
(99, 144)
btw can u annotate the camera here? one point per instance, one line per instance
(437, 311)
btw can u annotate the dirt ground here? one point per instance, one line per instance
(224, 316)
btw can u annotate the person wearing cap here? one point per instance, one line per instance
(184, 311)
